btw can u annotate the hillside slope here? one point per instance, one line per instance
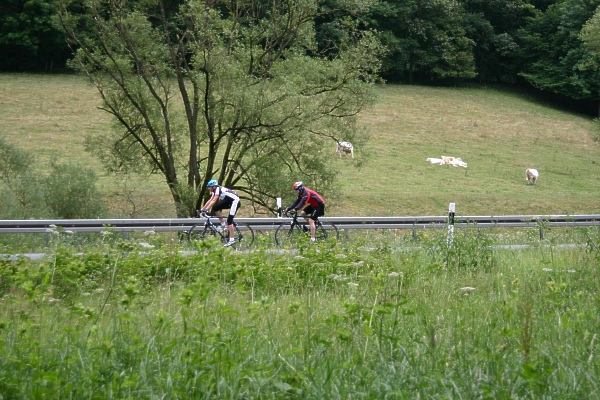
(498, 133)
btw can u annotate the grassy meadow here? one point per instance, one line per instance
(497, 132)
(383, 315)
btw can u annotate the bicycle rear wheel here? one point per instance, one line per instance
(200, 232)
(244, 236)
(327, 231)
(287, 235)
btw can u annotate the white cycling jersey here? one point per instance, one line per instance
(223, 192)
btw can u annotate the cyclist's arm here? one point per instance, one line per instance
(301, 202)
(211, 202)
(294, 204)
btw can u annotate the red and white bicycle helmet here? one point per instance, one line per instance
(298, 186)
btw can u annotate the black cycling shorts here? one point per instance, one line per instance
(228, 204)
(314, 212)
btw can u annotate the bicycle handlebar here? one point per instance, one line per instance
(202, 214)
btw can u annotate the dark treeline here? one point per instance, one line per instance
(530, 43)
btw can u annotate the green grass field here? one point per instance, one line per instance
(497, 132)
(381, 315)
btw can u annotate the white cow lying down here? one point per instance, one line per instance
(531, 175)
(455, 162)
(344, 147)
(435, 161)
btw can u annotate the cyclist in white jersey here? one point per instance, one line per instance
(227, 199)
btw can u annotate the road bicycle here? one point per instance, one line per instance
(244, 235)
(289, 234)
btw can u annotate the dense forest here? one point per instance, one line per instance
(537, 43)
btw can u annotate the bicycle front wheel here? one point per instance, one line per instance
(244, 236)
(200, 232)
(288, 235)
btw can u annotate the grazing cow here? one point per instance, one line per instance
(531, 175)
(344, 147)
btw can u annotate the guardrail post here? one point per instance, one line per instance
(540, 223)
(451, 211)
(279, 207)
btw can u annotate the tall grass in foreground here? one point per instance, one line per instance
(367, 320)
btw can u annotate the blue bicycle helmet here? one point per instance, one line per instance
(212, 182)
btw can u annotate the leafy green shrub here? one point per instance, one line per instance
(67, 191)
(70, 192)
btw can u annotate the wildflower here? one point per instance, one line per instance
(352, 284)
(395, 274)
(146, 245)
(69, 232)
(467, 289)
(341, 256)
(547, 269)
(149, 233)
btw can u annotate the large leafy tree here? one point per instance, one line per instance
(28, 39)
(590, 35)
(235, 90)
(493, 26)
(426, 39)
(553, 54)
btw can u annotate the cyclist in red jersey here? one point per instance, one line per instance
(313, 203)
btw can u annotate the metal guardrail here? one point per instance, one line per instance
(184, 224)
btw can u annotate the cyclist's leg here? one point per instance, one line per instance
(311, 217)
(230, 227)
(219, 207)
(233, 206)
(314, 219)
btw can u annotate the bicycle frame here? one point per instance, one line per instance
(202, 230)
(209, 225)
(287, 233)
(298, 225)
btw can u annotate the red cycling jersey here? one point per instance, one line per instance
(307, 196)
